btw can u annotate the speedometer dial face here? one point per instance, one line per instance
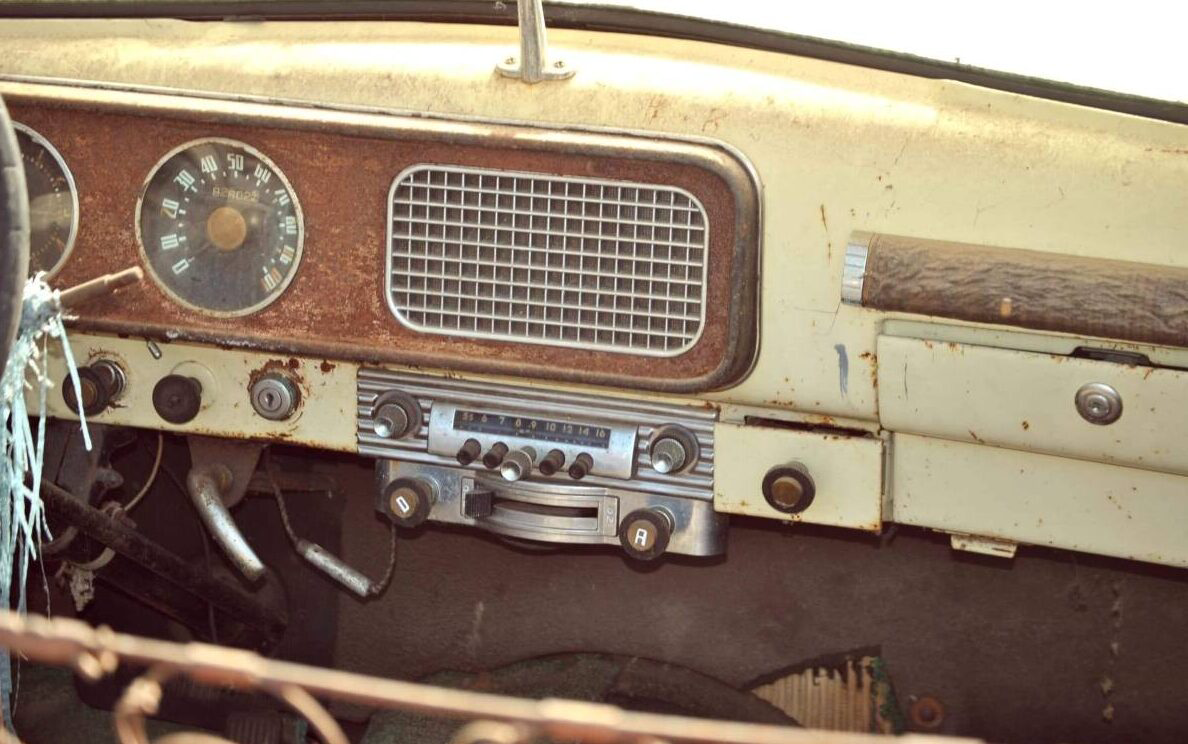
(220, 228)
(53, 202)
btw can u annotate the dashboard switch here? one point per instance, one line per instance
(409, 501)
(645, 533)
(274, 397)
(518, 464)
(581, 466)
(469, 451)
(177, 398)
(789, 488)
(478, 504)
(551, 462)
(100, 383)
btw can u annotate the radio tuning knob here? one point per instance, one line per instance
(494, 456)
(551, 462)
(177, 398)
(409, 501)
(396, 415)
(582, 465)
(673, 449)
(469, 452)
(789, 488)
(518, 464)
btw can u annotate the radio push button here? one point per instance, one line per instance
(552, 462)
(495, 455)
(469, 451)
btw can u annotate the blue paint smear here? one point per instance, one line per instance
(843, 368)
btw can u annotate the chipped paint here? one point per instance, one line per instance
(843, 368)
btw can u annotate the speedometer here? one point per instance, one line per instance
(53, 202)
(219, 227)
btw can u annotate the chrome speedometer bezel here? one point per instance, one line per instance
(299, 253)
(71, 238)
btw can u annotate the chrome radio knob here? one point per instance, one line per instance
(668, 455)
(518, 464)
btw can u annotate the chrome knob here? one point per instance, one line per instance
(668, 455)
(396, 415)
(517, 464)
(391, 420)
(1099, 403)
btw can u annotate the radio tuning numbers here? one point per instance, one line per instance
(220, 228)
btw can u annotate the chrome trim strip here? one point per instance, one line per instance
(854, 268)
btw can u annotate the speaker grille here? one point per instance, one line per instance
(536, 258)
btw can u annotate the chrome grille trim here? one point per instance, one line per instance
(697, 483)
(535, 258)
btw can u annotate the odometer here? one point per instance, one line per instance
(219, 227)
(53, 202)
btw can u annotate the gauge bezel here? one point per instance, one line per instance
(41, 140)
(300, 247)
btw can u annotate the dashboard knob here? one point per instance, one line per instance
(177, 398)
(409, 501)
(551, 462)
(518, 464)
(469, 451)
(396, 415)
(789, 488)
(582, 465)
(645, 533)
(99, 383)
(494, 456)
(668, 455)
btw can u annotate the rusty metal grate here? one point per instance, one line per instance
(535, 258)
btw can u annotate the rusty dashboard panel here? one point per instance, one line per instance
(323, 415)
(341, 165)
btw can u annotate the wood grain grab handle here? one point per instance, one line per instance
(1121, 300)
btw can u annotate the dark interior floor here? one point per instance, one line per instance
(1050, 647)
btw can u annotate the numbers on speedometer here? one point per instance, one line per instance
(219, 227)
(53, 202)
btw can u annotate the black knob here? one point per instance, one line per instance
(494, 455)
(552, 462)
(581, 465)
(789, 488)
(478, 504)
(177, 398)
(95, 394)
(396, 415)
(644, 533)
(409, 501)
(469, 452)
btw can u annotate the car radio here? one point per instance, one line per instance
(541, 465)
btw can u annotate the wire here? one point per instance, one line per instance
(270, 471)
(152, 477)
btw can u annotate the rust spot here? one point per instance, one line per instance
(1148, 372)
(927, 344)
(1026, 425)
(976, 438)
(1005, 307)
(952, 346)
(326, 366)
(294, 363)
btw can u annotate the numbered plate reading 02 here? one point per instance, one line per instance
(528, 427)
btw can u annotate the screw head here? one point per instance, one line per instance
(1098, 403)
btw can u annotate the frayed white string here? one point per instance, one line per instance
(22, 515)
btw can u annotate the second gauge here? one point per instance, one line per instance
(219, 227)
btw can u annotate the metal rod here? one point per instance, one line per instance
(72, 643)
(206, 485)
(99, 286)
(162, 562)
(335, 568)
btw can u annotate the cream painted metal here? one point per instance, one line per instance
(847, 472)
(1025, 401)
(837, 148)
(1039, 499)
(324, 419)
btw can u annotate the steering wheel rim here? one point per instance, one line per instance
(14, 234)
